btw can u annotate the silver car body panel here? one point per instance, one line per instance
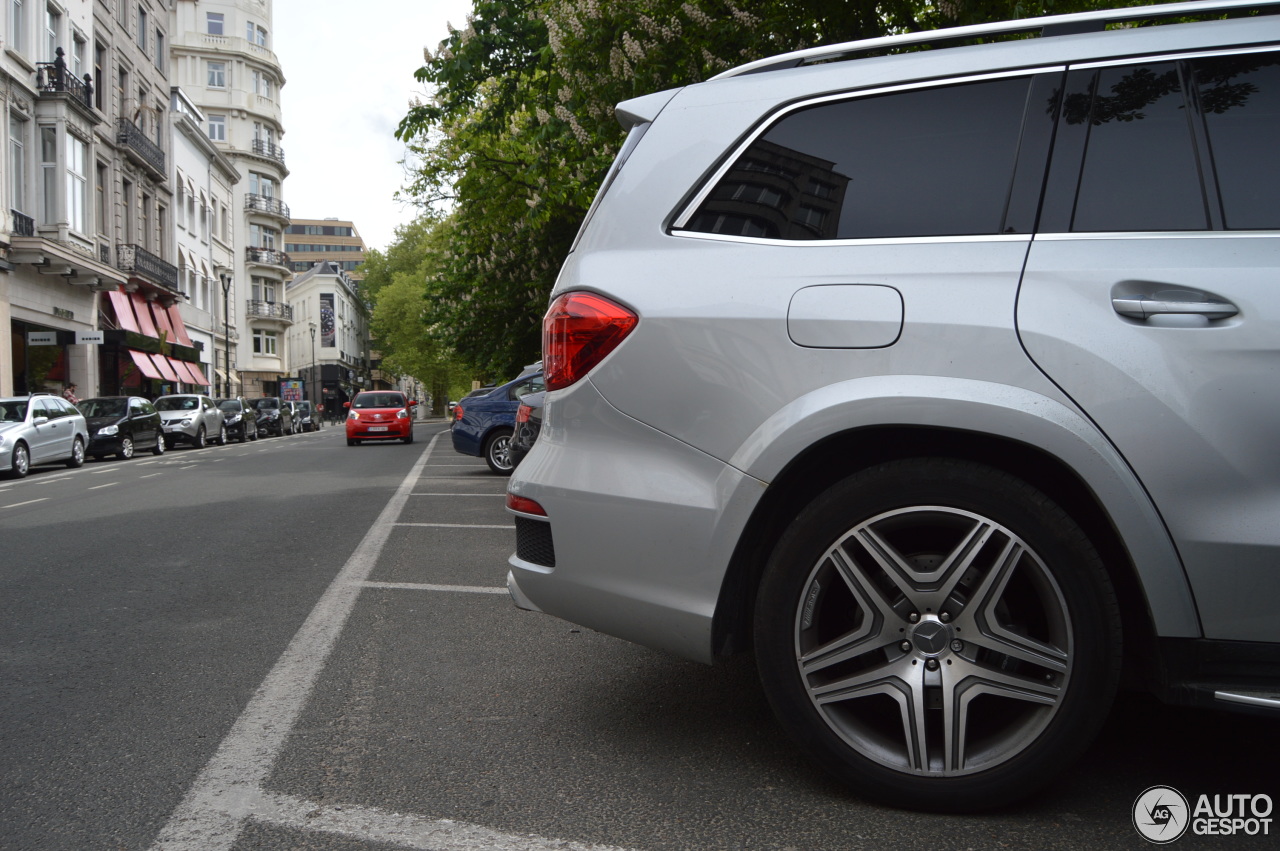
(648, 481)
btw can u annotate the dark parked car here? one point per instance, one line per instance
(307, 417)
(239, 417)
(528, 424)
(274, 416)
(118, 425)
(483, 425)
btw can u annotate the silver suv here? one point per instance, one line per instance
(191, 418)
(946, 379)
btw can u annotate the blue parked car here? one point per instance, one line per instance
(483, 424)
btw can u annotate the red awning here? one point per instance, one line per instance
(144, 363)
(179, 327)
(124, 311)
(162, 364)
(192, 370)
(161, 317)
(145, 323)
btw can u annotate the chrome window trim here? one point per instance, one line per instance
(692, 207)
(1165, 234)
(835, 243)
(1176, 57)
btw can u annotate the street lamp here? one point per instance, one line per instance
(226, 333)
(313, 395)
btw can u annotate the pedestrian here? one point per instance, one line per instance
(70, 394)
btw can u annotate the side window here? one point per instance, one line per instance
(924, 162)
(1139, 171)
(135, 408)
(1239, 98)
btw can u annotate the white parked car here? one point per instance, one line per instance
(40, 429)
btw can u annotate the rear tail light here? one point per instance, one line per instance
(525, 505)
(457, 413)
(579, 331)
(522, 413)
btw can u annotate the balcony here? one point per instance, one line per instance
(23, 225)
(267, 257)
(140, 263)
(271, 150)
(53, 79)
(139, 148)
(267, 204)
(268, 310)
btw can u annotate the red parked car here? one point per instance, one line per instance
(380, 415)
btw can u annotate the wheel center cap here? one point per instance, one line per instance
(931, 636)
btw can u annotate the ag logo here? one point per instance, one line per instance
(1161, 814)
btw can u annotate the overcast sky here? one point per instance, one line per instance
(348, 69)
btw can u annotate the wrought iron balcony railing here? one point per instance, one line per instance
(266, 204)
(130, 135)
(266, 256)
(269, 309)
(23, 225)
(136, 260)
(264, 148)
(54, 77)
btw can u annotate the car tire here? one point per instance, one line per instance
(20, 461)
(126, 448)
(77, 454)
(352, 442)
(160, 446)
(408, 438)
(497, 452)
(254, 436)
(910, 592)
(222, 435)
(199, 441)
(168, 442)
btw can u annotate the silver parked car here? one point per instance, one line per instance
(40, 429)
(191, 418)
(945, 379)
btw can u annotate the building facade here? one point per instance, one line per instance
(223, 60)
(329, 340)
(312, 241)
(88, 289)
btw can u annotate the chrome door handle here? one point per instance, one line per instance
(1142, 308)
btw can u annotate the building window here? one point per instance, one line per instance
(181, 201)
(18, 24)
(260, 184)
(214, 22)
(77, 184)
(127, 197)
(217, 75)
(49, 174)
(17, 164)
(160, 50)
(99, 73)
(52, 26)
(142, 29)
(191, 208)
(78, 46)
(101, 192)
(264, 342)
(255, 34)
(218, 128)
(162, 224)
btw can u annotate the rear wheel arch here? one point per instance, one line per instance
(842, 455)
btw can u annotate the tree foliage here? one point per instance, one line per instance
(520, 130)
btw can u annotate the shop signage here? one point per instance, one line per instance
(42, 338)
(63, 313)
(93, 338)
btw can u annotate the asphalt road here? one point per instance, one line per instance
(295, 644)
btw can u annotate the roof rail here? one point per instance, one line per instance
(1051, 25)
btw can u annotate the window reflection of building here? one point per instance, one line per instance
(777, 193)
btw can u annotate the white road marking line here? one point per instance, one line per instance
(98, 472)
(214, 810)
(28, 502)
(151, 475)
(407, 831)
(100, 487)
(418, 586)
(457, 526)
(499, 495)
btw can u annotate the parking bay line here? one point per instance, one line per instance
(458, 526)
(418, 586)
(228, 791)
(28, 502)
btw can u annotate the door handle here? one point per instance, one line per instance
(1143, 307)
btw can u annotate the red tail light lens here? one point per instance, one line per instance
(522, 413)
(579, 330)
(457, 413)
(525, 505)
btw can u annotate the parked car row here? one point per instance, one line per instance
(44, 429)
